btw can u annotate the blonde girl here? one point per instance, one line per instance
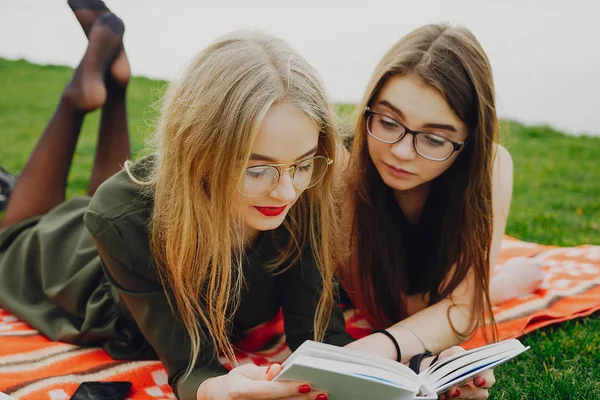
(179, 253)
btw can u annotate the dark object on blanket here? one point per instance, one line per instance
(7, 183)
(102, 391)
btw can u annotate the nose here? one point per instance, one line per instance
(285, 191)
(404, 149)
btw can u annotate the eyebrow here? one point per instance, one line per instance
(260, 157)
(429, 125)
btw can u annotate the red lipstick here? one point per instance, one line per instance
(271, 211)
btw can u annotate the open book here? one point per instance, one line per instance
(349, 374)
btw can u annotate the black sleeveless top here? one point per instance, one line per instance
(420, 243)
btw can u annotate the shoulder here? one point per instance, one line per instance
(503, 162)
(502, 178)
(119, 195)
(502, 170)
(118, 217)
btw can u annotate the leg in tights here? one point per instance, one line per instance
(113, 140)
(41, 185)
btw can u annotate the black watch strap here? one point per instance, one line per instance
(415, 362)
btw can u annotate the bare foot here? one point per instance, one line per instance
(87, 12)
(518, 277)
(87, 90)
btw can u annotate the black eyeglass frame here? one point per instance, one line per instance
(368, 113)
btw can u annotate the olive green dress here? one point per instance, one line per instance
(83, 274)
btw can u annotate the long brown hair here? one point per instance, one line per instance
(451, 60)
(208, 123)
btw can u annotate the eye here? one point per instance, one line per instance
(435, 140)
(257, 172)
(387, 122)
(306, 166)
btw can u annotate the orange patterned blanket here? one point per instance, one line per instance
(32, 367)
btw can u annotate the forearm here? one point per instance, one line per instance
(427, 329)
(434, 328)
(199, 384)
(208, 388)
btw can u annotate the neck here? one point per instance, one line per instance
(412, 201)
(248, 241)
(251, 237)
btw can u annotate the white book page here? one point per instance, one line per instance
(445, 370)
(483, 352)
(466, 375)
(342, 386)
(476, 365)
(330, 352)
(360, 371)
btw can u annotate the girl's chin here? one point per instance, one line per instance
(266, 223)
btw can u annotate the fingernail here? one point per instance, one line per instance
(269, 368)
(304, 389)
(481, 382)
(456, 393)
(321, 396)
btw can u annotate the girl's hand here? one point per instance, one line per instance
(250, 382)
(476, 389)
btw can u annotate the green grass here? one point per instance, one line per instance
(556, 201)
(29, 96)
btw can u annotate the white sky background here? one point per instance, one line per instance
(545, 54)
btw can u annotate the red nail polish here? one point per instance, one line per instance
(268, 369)
(304, 389)
(481, 382)
(456, 393)
(321, 396)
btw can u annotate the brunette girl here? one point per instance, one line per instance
(429, 194)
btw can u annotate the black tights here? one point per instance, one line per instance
(100, 80)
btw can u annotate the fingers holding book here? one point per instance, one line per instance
(251, 382)
(475, 389)
(465, 392)
(485, 380)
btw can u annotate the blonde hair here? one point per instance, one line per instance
(208, 124)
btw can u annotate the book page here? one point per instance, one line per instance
(468, 374)
(463, 366)
(342, 385)
(489, 349)
(330, 352)
(447, 369)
